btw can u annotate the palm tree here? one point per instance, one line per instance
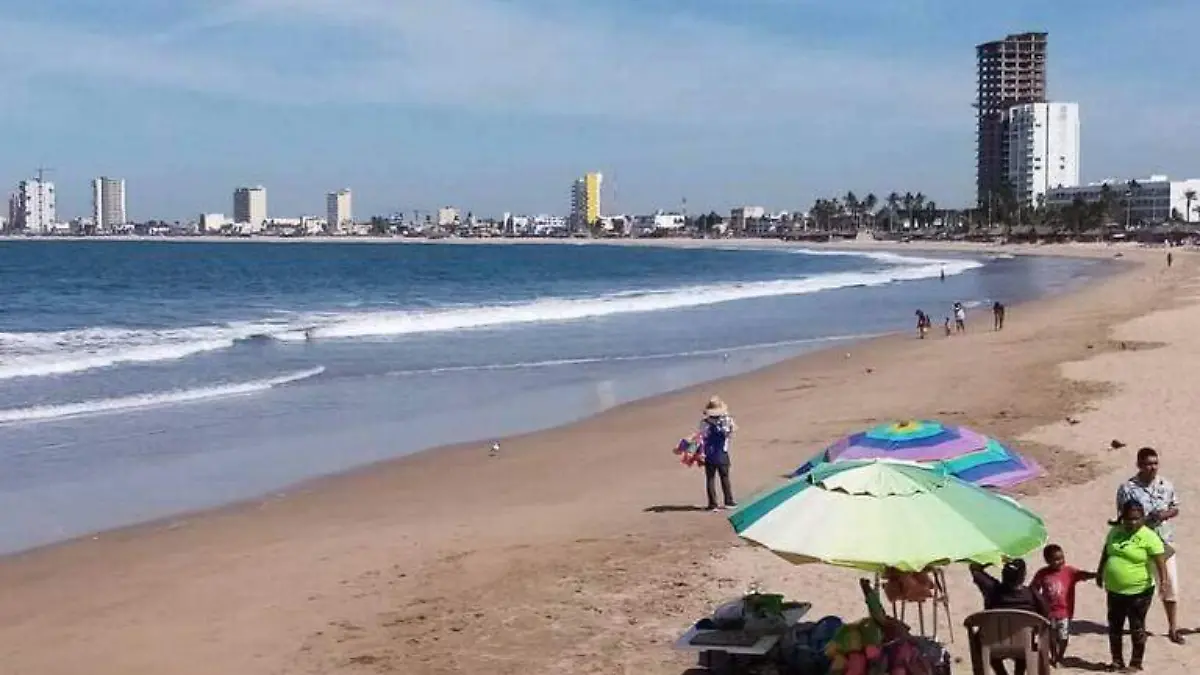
(852, 206)
(908, 201)
(931, 212)
(1190, 196)
(893, 202)
(919, 209)
(869, 204)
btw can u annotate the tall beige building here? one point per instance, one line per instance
(108, 203)
(250, 206)
(339, 211)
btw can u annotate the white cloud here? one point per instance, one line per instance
(495, 56)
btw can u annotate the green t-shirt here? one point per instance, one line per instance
(1127, 566)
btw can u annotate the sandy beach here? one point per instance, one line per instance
(581, 550)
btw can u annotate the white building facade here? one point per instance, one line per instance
(447, 216)
(32, 208)
(108, 204)
(1149, 201)
(339, 211)
(250, 206)
(1043, 142)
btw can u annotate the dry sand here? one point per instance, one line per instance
(579, 549)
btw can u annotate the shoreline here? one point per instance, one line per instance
(404, 497)
(865, 342)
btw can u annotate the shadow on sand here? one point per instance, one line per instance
(668, 508)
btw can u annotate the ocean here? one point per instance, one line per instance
(144, 379)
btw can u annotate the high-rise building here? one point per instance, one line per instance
(1011, 72)
(108, 203)
(250, 206)
(447, 216)
(339, 210)
(585, 200)
(1043, 149)
(32, 207)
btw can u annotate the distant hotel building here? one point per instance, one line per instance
(250, 206)
(1010, 72)
(108, 204)
(31, 208)
(1043, 149)
(585, 200)
(1149, 201)
(447, 216)
(339, 211)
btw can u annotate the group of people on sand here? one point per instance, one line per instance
(959, 312)
(1137, 560)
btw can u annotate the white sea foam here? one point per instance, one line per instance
(140, 401)
(408, 322)
(32, 354)
(64, 352)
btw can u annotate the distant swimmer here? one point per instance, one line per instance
(308, 334)
(943, 274)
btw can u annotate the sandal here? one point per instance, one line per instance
(1176, 637)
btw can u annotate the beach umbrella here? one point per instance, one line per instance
(964, 453)
(878, 513)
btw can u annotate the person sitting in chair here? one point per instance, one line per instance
(1008, 592)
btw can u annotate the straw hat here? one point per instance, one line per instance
(716, 407)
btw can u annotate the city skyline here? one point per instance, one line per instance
(720, 102)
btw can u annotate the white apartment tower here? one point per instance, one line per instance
(31, 208)
(339, 210)
(108, 203)
(250, 206)
(1043, 141)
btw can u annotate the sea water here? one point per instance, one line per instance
(143, 379)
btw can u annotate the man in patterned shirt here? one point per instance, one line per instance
(1157, 497)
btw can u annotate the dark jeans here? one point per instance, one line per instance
(711, 471)
(1132, 608)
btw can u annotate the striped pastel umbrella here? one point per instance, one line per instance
(880, 513)
(964, 453)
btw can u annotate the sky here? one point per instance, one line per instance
(497, 105)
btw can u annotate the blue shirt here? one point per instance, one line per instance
(715, 432)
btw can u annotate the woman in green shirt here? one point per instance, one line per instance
(1129, 550)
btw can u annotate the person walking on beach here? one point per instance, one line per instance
(1170, 258)
(1130, 551)
(998, 315)
(716, 430)
(1156, 495)
(960, 318)
(923, 324)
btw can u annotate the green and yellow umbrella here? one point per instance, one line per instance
(876, 514)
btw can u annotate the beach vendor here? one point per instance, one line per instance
(716, 430)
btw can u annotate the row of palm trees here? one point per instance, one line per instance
(896, 212)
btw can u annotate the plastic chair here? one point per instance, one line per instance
(1009, 634)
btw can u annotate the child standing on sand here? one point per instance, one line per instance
(1056, 584)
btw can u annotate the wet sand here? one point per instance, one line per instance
(580, 549)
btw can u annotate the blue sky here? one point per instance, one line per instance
(496, 105)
